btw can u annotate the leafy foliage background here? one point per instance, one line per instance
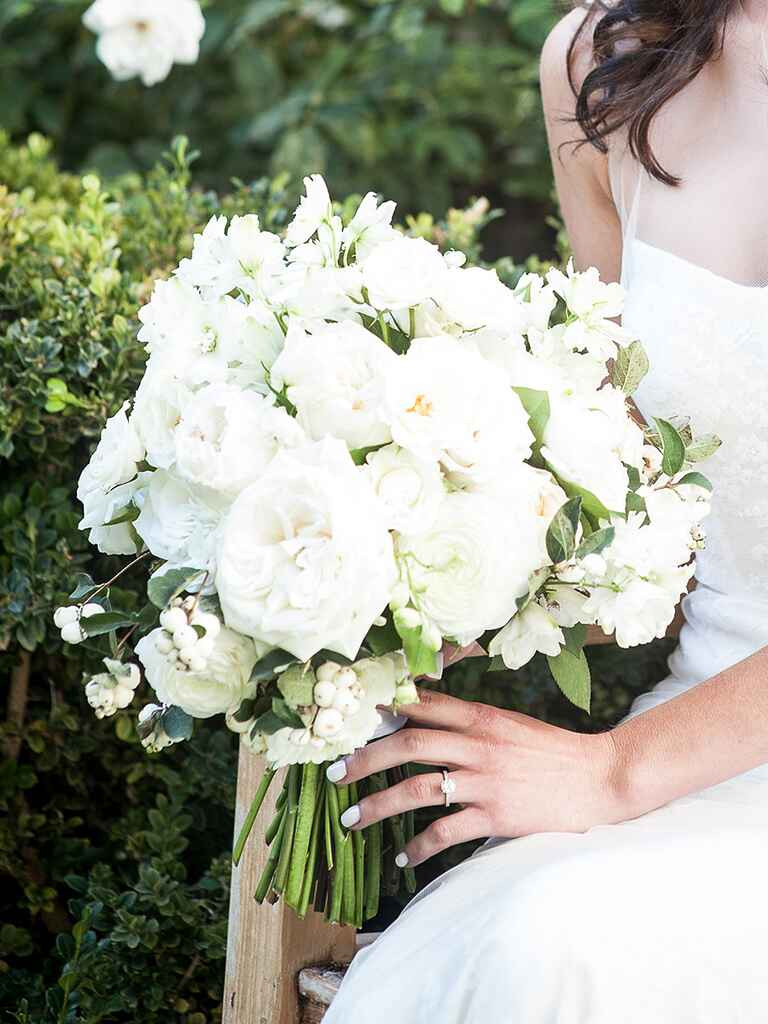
(114, 866)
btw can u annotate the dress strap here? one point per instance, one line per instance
(626, 175)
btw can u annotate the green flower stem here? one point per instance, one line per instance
(358, 853)
(372, 871)
(292, 807)
(384, 328)
(396, 824)
(250, 818)
(328, 829)
(337, 878)
(274, 825)
(314, 847)
(269, 868)
(302, 833)
(412, 323)
(347, 851)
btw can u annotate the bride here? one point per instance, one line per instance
(634, 888)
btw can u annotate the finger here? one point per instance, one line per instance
(418, 791)
(448, 831)
(439, 711)
(425, 746)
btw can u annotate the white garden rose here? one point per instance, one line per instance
(334, 376)
(409, 488)
(467, 570)
(445, 403)
(222, 685)
(160, 398)
(179, 521)
(402, 272)
(305, 559)
(530, 631)
(313, 210)
(145, 37)
(240, 256)
(226, 437)
(474, 298)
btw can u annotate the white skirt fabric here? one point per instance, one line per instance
(659, 920)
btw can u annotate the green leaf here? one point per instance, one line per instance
(575, 637)
(270, 665)
(124, 728)
(672, 447)
(561, 535)
(422, 660)
(268, 723)
(629, 368)
(105, 622)
(83, 585)
(286, 714)
(571, 673)
(590, 503)
(536, 404)
(359, 455)
(383, 639)
(297, 685)
(596, 542)
(177, 723)
(125, 515)
(635, 503)
(702, 448)
(697, 479)
(162, 589)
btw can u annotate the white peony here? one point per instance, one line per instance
(223, 684)
(445, 403)
(240, 256)
(402, 272)
(305, 560)
(467, 570)
(145, 37)
(335, 378)
(409, 488)
(530, 631)
(313, 210)
(179, 521)
(227, 437)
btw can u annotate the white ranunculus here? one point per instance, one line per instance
(445, 403)
(313, 210)
(474, 298)
(335, 377)
(179, 521)
(588, 438)
(370, 226)
(227, 437)
(409, 488)
(530, 631)
(240, 256)
(402, 272)
(467, 570)
(305, 559)
(222, 685)
(145, 37)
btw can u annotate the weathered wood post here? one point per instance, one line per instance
(268, 945)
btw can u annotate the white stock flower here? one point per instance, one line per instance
(467, 570)
(592, 303)
(335, 375)
(313, 210)
(530, 631)
(402, 272)
(239, 256)
(638, 610)
(223, 684)
(145, 37)
(409, 488)
(227, 437)
(370, 226)
(305, 559)
(445, 403)
(179, 521)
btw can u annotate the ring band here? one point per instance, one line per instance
(447, 787)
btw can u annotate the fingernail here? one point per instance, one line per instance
(402, 860)
(335, 772)
(351, 816)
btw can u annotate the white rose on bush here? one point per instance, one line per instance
(223, 684)
(305, 560)
(334, 375)
(145, 37)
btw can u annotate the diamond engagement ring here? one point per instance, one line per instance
(447, 788)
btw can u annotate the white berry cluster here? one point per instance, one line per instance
(67, 620)
(180, 640)
(337, 695)
(155, 738)
(112, 690)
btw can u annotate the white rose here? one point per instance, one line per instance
(320, 292)
(305, 560)
(402, 272)
(409, 488)
(240, 256)
(313, 210)
(531, 631)
(146, 38)
(335, 377)
(157, 408)
(445, 403)
(223, 684)
(467, 570)
(226, 437)
(475, 298)
(179, 521)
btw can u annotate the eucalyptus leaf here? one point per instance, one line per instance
(571, 673)
(629, 368)
(673, 449)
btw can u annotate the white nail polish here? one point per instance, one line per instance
(335, 772)
(351, 816)
(402, 860)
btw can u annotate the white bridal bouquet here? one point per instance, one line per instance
(348, 449)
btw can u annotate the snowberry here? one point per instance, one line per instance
(173, 619)
(66, 614)
(184, 636)
(431, 637)
(164, 643)
(327, 671)
(197, 664)
(345, 677)
(72, 633)
(346, 702)
(324, 694)
(188, 654)
(328, 723)
(317, 742)
(209, 622)
(91, 609)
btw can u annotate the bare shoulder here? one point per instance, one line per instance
(569, 41)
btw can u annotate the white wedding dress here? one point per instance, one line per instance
(663, 919)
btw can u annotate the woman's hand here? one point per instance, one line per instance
(513, 775)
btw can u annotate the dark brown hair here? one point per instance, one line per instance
(644, 53)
